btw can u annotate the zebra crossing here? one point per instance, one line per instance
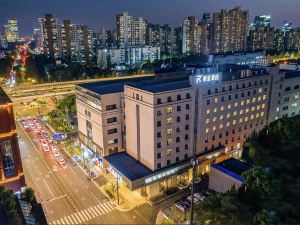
(86, 214)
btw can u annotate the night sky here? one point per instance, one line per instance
(101, 13)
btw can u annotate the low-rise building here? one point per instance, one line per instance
(227, 174)
(239, 58)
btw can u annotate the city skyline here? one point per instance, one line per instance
(92, 13)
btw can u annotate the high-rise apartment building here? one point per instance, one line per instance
(66, 40)
(130, 31)
(261, 38)
(11, 171)
(125, 30)
(51, 31)
(190, 39)
(230, 30)
(11, 30)
(261, 22)
(161, 36)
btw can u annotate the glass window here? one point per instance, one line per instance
(7, 158)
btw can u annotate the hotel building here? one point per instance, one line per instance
(147, 130)
(11, 171)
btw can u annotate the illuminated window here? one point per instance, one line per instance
(236, 104)
(263, 106)
(208, 111)
(169, 131)
(296, 96)
(221, 126)
(262, 114)
(259, 90)
(229, 106)
(207, 121)
(169, 121)
(216, 100)
(241, 112)
(294, 104)
(264, 97)
(206, 130)
(259, 99)
(228, 115)
(247, 110)
(252, 117)
(169, 141)
(235, 113)
(234, 122)
(214, 128)
(241, 120)
(169, 152)
(242, 103)
(221, 117)
(253, 100)
(215, 110)
(228, 124)
(222, 108)
(169, 110)
(257, 115)
(246, 118)
(252, 108)
(248, 101)
(214, 119)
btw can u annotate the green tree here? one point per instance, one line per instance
(28, 194)
(8, 203)
(221, 209)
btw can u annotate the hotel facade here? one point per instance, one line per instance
(145, 131)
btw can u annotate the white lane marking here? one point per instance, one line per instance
(101, 209)
(74, 218)
(105, 207)
(109, 206)
(70, 219)
(49, 188)
(79, 214)
(94, 212)
(91, 213)
(53, 223)
(62, 221)
(85, 214)
(67, 220)
(98, 211)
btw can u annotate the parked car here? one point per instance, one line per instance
(196, 200)
(183, 205)
(182, 185)
(200, 196)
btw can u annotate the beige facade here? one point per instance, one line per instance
(222, 182)
(159, 131)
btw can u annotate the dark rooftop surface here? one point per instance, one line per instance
(292, 74)
(162, 86)
(111, 86)
(3, 97)
(233, 167)
(128, 166)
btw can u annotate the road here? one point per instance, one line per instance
(67, 195)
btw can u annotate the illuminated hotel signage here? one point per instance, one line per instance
(114, 173)
(202, 78)
(165, 173)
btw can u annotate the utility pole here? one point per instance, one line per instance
(194, 164)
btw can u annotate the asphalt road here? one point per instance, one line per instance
(67, 195)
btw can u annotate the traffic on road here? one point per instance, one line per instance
(42, 137)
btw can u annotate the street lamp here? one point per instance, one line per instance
(194, 164)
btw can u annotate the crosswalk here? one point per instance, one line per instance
(86, 214)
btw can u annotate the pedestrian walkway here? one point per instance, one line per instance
(85, 215)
